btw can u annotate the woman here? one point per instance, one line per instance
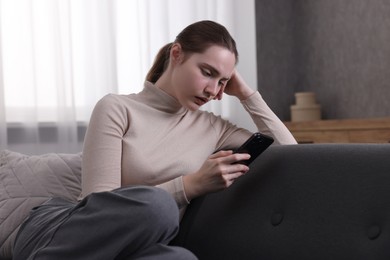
(147, 155)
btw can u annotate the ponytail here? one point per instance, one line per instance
(160, 64)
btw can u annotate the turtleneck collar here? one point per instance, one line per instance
(157, 98)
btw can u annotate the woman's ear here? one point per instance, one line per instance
(176, 53)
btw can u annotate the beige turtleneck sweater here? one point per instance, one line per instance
(150, 139)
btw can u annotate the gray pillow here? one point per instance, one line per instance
(27, 181)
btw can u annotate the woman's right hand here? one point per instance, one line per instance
(237, 87)
(217, 172)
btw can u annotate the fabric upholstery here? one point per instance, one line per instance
(297, 202)
(315, 201)
(28, 181)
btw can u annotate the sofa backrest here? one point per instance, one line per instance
(313, 201)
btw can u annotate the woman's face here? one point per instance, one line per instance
(199, 77)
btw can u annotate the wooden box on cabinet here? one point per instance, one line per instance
(375, 130)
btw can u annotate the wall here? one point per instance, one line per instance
(245, 36)
(338, 49)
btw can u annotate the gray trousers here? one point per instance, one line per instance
(134, 222)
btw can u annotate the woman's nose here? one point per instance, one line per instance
(212, 89)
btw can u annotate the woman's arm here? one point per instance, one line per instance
(102, 151)
(218, 172)
(264, 118)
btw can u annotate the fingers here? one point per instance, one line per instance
(233, 171)
(220, 93)
(220, 154)
(236, 157)
(224, 166)
(233, 176)
(229, 157)
(228, 160)
(230, 178)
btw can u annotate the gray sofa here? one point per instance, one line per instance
(312, 201)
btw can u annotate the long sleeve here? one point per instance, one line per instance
(150, 139)
(266, 120)
(102, 151)
(176, 188)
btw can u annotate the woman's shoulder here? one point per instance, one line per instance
(111, 97)
(115, 100)
(113, 106)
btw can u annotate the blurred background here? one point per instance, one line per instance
(59, 57)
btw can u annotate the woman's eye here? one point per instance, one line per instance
(206, 73)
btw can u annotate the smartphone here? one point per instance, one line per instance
(255, 145)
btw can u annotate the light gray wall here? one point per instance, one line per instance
(245, 36)
(340, 49)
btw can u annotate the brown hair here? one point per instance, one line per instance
(195, 38)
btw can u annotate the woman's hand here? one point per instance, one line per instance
(237, 87)
(217, 172)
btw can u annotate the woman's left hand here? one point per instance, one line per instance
(237, 87)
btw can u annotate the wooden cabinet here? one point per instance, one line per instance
(375, 130)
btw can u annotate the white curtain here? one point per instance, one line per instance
(59, 57)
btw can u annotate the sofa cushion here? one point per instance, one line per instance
(28, 181)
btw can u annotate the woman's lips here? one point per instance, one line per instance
(201, 100)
